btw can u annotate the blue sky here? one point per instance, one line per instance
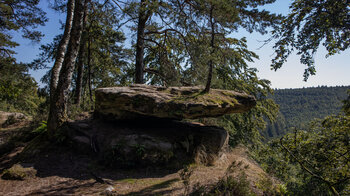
(331, 71)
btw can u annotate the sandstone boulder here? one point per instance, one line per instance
(151, 142)
(10, 118)
(172, 102)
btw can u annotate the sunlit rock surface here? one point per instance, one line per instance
(10, 118)
(173, 102)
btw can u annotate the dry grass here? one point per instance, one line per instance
(66, 175)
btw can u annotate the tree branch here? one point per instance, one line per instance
(308, 170)
(156, 72)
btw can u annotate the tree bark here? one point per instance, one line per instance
(62, 47)
(140, 43)
(80, 70)
(58, 105)
(210, 72)
(80, 63)
(89, 71)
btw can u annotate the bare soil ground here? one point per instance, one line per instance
(64, 172)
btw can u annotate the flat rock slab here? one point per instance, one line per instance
(169, 102)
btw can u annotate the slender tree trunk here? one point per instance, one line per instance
(140, 44)
(89, 71)
(80, 64)
(62, 47)
(210, 72)
(58, 105)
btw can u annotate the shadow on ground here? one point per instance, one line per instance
(63, 171)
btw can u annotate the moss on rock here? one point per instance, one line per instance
(172, 102)
(18, 172)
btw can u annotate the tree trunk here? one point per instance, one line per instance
(58, 105)
(80, 64)
(140, 44)
(62, 47)
(210, 72)
(89, 72)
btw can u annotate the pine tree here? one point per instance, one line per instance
(24, 16)
(212, 24)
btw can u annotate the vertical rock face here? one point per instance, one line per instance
(172, 102)
(151, 142)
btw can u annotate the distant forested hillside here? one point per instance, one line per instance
(299, 106)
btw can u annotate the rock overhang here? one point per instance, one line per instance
(137, 100)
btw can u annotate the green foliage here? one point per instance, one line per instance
(274, 162)
(18, 172)
(18, 90)
(244, 127)
(189, 47)
(346, 106)
(267, 186)
(41, 129)
(17, 15)
(300, 106)
(233, 73)
(106, 61)
(323, 151)
(176, 53)
(179, 45)
(311, 162)
(109, 59)
(309, 24)
(181, 40)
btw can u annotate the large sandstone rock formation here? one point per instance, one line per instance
(172, 102)
(150, 142)
(143, 125)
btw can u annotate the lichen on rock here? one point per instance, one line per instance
(18, 172)
(169, 102)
